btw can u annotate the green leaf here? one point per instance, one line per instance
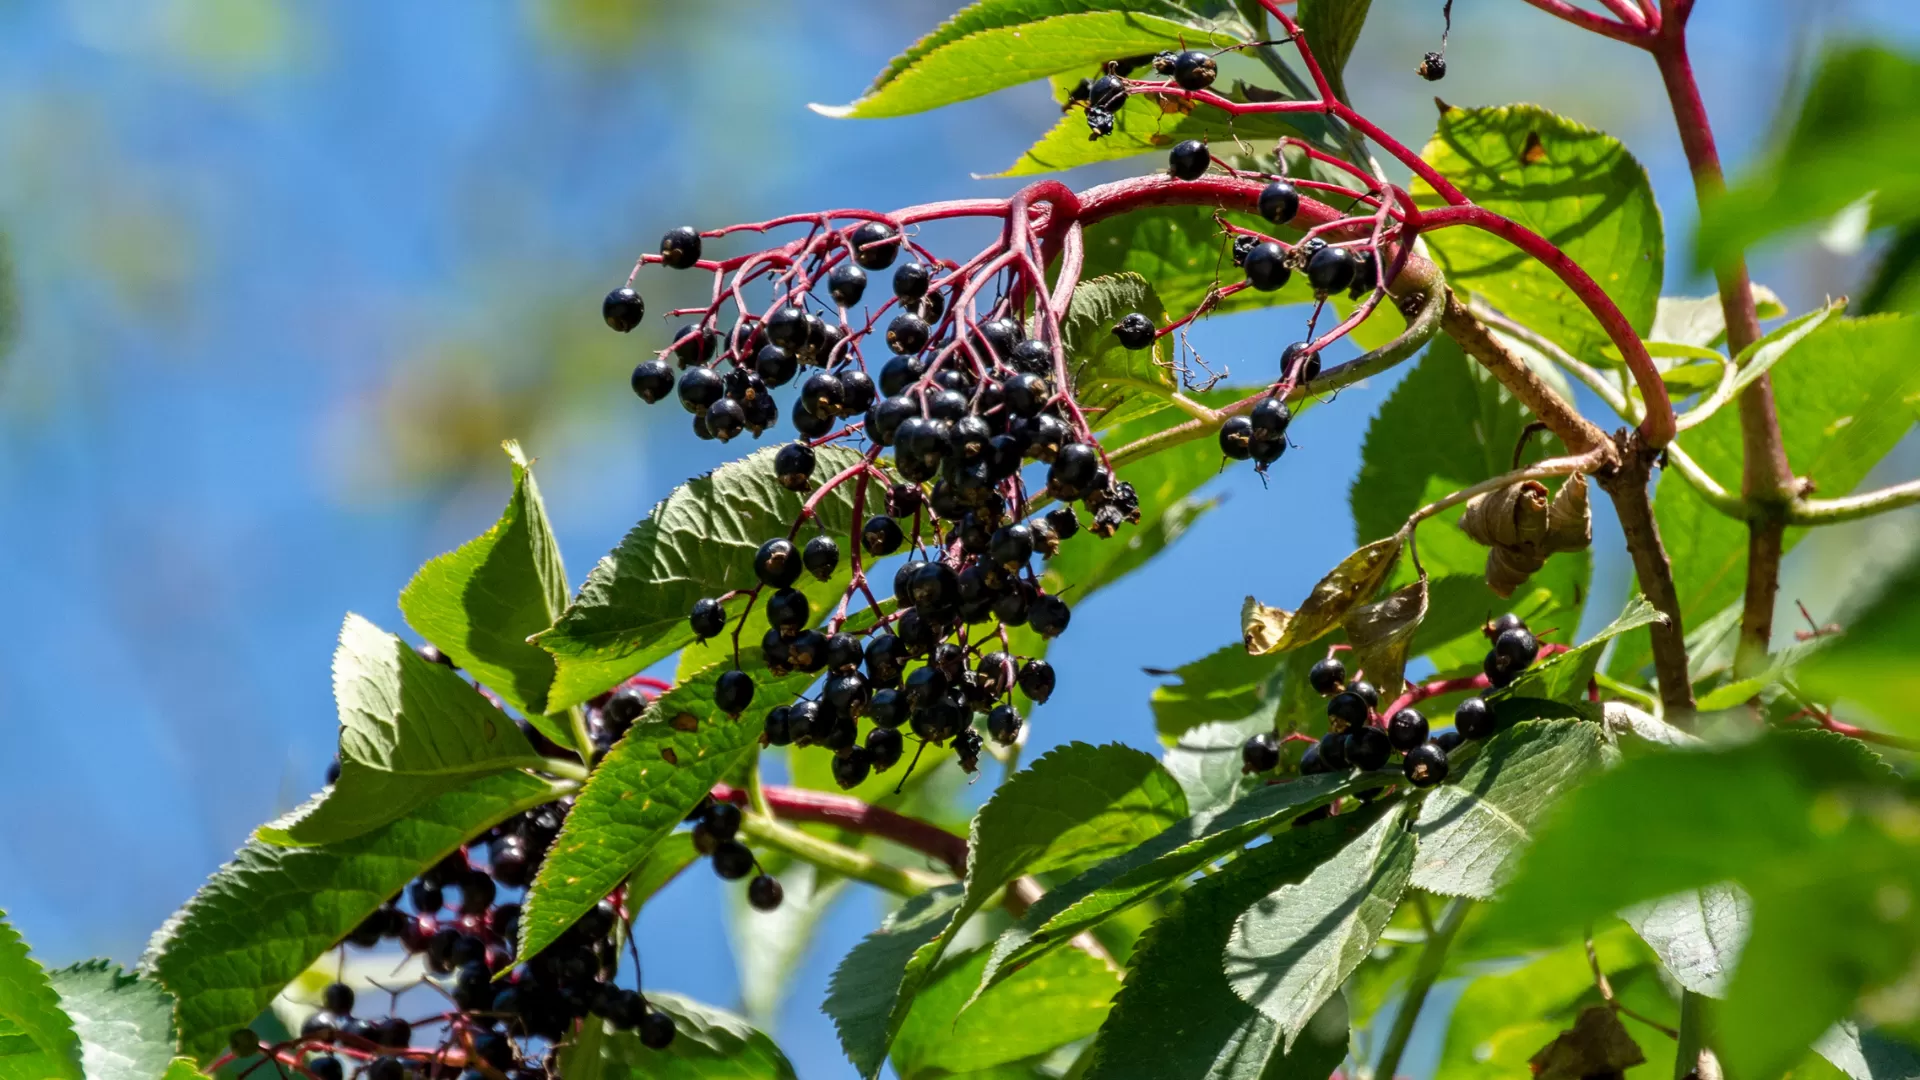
(708, 1044)
(1158, 864)
(1759, 358)
(1060, 998)
(1207, 764)
(1000, 43)
(37, 1038)
(182, 1069)
(1146, 125)
(1105, 373)
(262, 918)
(1075, 806)
(1805, 823)
(1872, 663)
(1697, 933)
(1472, 828)
(125, 1023)
(1854, 392)
(1867, 1055)
(1701, 322)
(1563, 677)
(1177, 1016)
(1333, 26)
(1183, 251)
(410, 730)
(1290, 952)
(769, 946)
(680, 747)
(1856, 133)
(481, 602)
(1895, 282)
(1221, 685)
(1575, 186)
(698, 542)
(866, 986)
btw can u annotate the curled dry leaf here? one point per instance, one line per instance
(1382, 634)
(1523, 524)
(1598, 1044)
(1269, 629)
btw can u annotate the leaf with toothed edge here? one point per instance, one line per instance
(125, 1022)
(708, 1044)
(1564, 676)
(39, 1039)
(866, 986)
(944, 1036)
(1105, 373)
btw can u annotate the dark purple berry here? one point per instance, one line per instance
(733, 692)
(793, 467)
(1346, 711)
(1049, 617)
(1189, 160)
(1407, 729)
(1368, 748)
(846, 284)
(732, 860)
(821, 557)
(1425, 765)
(1266, 266)
(764, 892)
(1279, 202)
(1328, 677)
(875, 245)
(1329, 270)
(1194, 70)
(1135, 331)
(1261, 753)
(708, 618)
(623, 309)
(653, 380)
(1473, 718)
(1037, 681)
(700, 388)
(680, 248)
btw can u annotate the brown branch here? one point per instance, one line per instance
(854, 815)
(1578, 434)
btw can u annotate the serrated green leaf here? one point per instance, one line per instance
(1872, 663)
(1146, 125)
(182, 1069)
(1104, 372)
(37, 1038)
(1207, 763)
(1472, 828)
(262, 918)
(1076, 805)
(866, 986)
(1221, 685)
(1000, 43)
(1177, 1016)
(1867, 1055)
(697, 542)
(481, 602)
(1700, 320)
(1759, 358)
(1333, 26)
(1183, 251)
(1854, 393)
(125, 1023)
(680, 747)
(708, 1044)
(1810, 825)
(1697, 933)
(1575, 186)
(1059, 999)
(410, 730)
(1564, 676)
(1291, 950)
(1856, 134)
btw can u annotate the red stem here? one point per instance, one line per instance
(847, 812)
(1587, 20)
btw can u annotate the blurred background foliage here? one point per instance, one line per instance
(279, 277)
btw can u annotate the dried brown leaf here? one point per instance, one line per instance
(1382, 634)
(1262, 627)
(1597, 1045)
(1508, 517)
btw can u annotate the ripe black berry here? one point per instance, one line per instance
(1448, 740)
(1433, 67)
(656, 1030)
(1037, 681)
(1366, 274)
(1290, 359)
(910, 281)
(1236, 438)
(1425, 765)
(881, 535)
(793, 466)
(846, 284)
(875, 245)
(808, 652)
(1312, 763)
(691, 346)
(852, 766)
(933, 587)
(1279, 202)
(1329, 270)
(888, 708)
(1189, 160)
(1407, 729)
(847, 693)
(1073, 471)
(1498, 676)
(821, 557)
(1347, 710)
(1266, 266)
(1501, 625)
(652, 380)
(1328, 677)
(779, 726)
(856, 389)
(822, 395)
(700, 388)
(886, 746)
(680, 248)
(1260, 753)
(789, 611)
(733, 692)
(764, 892)
(775, 563)
(1049, 617)
(1194, 70)
(732, 860)
(1367, 693)
(1032, 356)
(1011, 546)
(1473, 718)
(1514, 649)
(1135, 331)
(1368, 748)
(385, 1068)
(1270, 419)
(623, 309)
(725, 419)
(326, 1067)
(1333, 751)
(1026, 394)
(907, 333)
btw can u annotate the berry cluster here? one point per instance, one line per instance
(1359, 738)
(1103, 97)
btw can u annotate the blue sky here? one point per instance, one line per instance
(289, 272)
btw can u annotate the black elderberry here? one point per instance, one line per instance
(821, 557)
(907, 333)
(510, 865)
(321, 1026)
(1189, 160)
(886, 746)
(1328, 677)
(733, 692)
(385, 1068)
(732, 860)
(1194, 70)
(1037, 681)
(623, 309)
(1236, 438)
(1270, 419)
(1368, 748)
(777, 652)
(656, 1030)
(473, 986)
(1266, 266)
(856, 389)
(1026, 393)
(1501, 625)
(846, 284)
(1073, 471)
(966, 749)
(1347, 710)
(1514, 649)
(822, 395)
(1448, 740)
(1014, 606)
(1307, 248)
(1329, 270)
(1366, 275)
(808, 651)
(789, 611)
(1497, 675)
(426, 897)
(876, 245)
(1011, 545)
(1049, 616)
(1004, 723)
(1333, 751)
(1407, 729)
(779, 726)
(793, 466)
(924, 686)
(1033, 357)
(806, 720)
(934, 587)
(1290, 360)
(885, 418)
(476, 893)
(1242, 247)
(680, 248)
(910, 281)
(1279, 202)
(1473, 718)
(726, 419)
(948, 405)
(700, 388)
(1367, 692)
(787, 328)
(881, 536)
(777, 563)
(1261, 753)
(899, 373)
(1135, 331)
(1425, 765)
(852, 766)
(694, 347)
(1064, 522)
(843, 652)
(1108, 92)
(847, 693)
(968, 438)
(652, 380)
(764, 892)
(326, 1067)
(1312, 763)
(1433, 67)
(888, 708)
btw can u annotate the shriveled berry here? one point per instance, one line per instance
(1368, 748)
(623, 309)
(1261, 753)
(1328, 677)
(652, 380)
(733, 692)
(680, 248)
(776, 563)
(1346, 711)
(1279, 202)
(1194, 70)
(700, 388)
(821, 557)
(732, 860)
(1433, 67)
(1473, 718)
(1135, 331)
(1329, 270)
(1236, 438)
(1266, 266)
(966, 749)
(1425, 765)
(1407, 729)
(1189, 160)
(764, 892)
(1049, 617)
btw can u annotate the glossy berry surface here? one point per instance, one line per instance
(656, 1030)
(777, 564)
(699, 388)
(1135, 331)
(1328, 677)
(1473, 718)
(623, 309)
(1346, 711)
(1407, 729)
(1266, 266)
(881, 535)
(653, 380)
(1368, 748)
(732, 860)
(764, 892)
(733, 692)
(1236, 438)
(1003, 724)
(1295, 361)
(1514, 650)
(1425, 765)
(1279, 202)
(821, 557)
(680, 248)
(1037, 681)
(1329, 270)
(1261, 753)
(1189, 160)
(793, 466)
(875, 245)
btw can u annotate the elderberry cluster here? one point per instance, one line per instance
(1102, 98)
